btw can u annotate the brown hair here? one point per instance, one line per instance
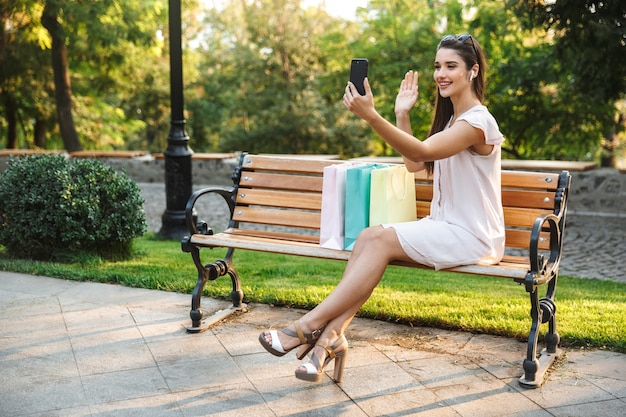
(471, 52)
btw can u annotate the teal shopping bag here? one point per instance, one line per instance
(357, 204)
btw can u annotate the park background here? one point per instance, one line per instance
(268, 75)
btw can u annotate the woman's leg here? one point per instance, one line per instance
(374, 249)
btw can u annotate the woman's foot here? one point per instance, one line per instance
(322, 355)
(271, 341)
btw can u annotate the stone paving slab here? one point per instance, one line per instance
(85, 349)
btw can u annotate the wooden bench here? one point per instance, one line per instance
(275, 205)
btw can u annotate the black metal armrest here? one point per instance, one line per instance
(227, 193)
(542, 270)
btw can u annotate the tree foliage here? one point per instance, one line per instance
(587, 66)
(82, 52)
(268, 75)
(261, 85)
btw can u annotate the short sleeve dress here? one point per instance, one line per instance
(466, 221)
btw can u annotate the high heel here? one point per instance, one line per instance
(307, 341)
(314, 370)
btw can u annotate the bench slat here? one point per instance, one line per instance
(514, 179)
(293, 237)
(521, 217)
(530, 180)
(281, 181)
(277, 163)
(423, 209)
(513, 216)
(295, 199)
(276, 217)
(510, 197)
(515, 238)
(423, 191)
(528, 199)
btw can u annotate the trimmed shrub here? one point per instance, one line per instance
(52, 208)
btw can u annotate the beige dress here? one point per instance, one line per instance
(466, 222)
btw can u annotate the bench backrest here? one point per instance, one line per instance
(287, 191)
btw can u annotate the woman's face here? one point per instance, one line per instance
(451, 75)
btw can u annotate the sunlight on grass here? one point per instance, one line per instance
(591, 312)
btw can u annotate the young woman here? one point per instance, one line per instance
(465, 225)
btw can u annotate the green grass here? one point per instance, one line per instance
(591, 312)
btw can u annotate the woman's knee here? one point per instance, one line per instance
(377, 238)
(383, 243)
(371, 233)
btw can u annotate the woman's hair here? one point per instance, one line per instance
(471, 52)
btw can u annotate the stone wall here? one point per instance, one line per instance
(214, 171)
(600, 191)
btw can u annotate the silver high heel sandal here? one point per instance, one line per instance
(314, 370)
(307, 341)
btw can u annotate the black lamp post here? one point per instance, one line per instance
(178, 183)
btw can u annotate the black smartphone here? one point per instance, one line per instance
(358, 72)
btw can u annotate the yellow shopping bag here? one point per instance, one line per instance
(392, 196)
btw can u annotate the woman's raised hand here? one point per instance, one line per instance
(408, 93)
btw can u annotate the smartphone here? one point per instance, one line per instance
(358, 72)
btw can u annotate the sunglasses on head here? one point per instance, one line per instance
(461, 38)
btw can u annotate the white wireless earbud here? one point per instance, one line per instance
(472, 75)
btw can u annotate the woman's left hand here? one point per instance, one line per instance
(362, 106)
(407, 94)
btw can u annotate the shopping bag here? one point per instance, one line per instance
(392, 196)
(357, 206)
(333, 206)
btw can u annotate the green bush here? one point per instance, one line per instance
(54, 208)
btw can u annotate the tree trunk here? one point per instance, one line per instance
(62, 84)
(10, 112)
(610, 140)
(607, 158)
(39, 135)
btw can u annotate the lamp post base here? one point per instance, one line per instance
(173, 225)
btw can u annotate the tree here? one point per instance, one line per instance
(62, 83)
(590, 45)
(261, 88)
(101, 54)
(25, 84)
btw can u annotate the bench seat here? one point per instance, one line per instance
(515, 267)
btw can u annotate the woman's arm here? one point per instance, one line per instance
(440, 145)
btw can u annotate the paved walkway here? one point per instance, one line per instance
(76, 349)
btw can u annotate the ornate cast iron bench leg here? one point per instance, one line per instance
(542, 311)
(209, 273)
